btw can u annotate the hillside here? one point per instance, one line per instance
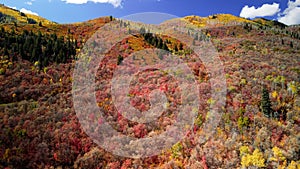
(8, 15)
(259, 125)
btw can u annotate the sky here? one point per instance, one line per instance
(69, 11)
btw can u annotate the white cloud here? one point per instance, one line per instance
(115, 3)
(12, 7)
(24, 10)
(290, 15)
(28, 11)
(28, 3)
(264, 10)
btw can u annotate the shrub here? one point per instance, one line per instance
(243, 122)
(176, 150)
(2, 71)
(256, 159)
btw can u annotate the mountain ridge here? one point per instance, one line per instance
(257, 128)
(221, 17)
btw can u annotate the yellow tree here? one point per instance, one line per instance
(256, 159)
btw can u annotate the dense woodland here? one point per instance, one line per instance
(37, 47)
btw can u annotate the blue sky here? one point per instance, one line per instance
(68, 11)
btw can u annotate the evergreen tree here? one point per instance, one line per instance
(33, 55)
(165, 47)
(180, 46)
(196, 36)
(266, 103)
(160, 44)
(291, 44)
(31, 46)
(6, 52)
(176, 48)
(120, 59)
(2, 31)
(142, 30)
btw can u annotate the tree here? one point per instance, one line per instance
(22, 14)
(266, 103)
(176, 48)
(31, 21)
(180, 46)
(6, 52)
(120, 59)
(142, 30)
(291, 44)
(256, 159)
(165, 47)
(160, 44)
(33, 55)
(2, 31)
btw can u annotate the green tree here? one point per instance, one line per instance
(165, 47)
(142, 30)
(120, 59)
(266, 103)
(176, 48)
(160, 44)
(291, 44)
(180, 46)
(33, 55)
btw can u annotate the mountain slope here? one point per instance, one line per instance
(39, 127)
(216, 20)
(9, 15)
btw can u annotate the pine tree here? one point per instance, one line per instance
(176, 48)
(266, 103)
(165, 47)
(291, 44)
(160, 44)
(142, 30)
(180, 46)
(33, 55)
(120, 59)
(6, 52)
(2, 31)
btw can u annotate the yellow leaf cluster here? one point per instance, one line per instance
(274, 94)
(256, 159)
(278, 154)
(176, 150)
(244, 150)
(211, 101)
(220, 18)
(243, 82)
(294, 165)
